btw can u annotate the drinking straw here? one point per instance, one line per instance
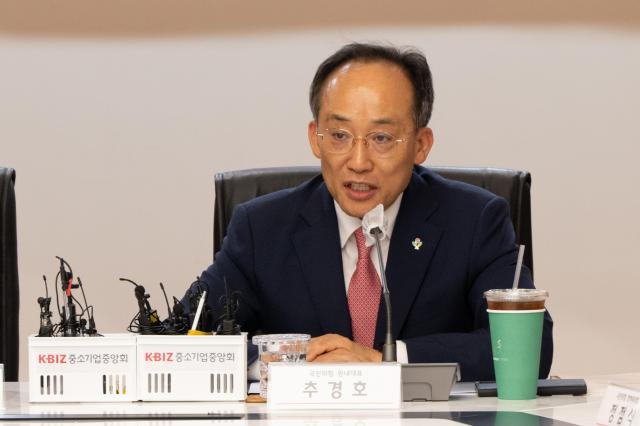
(516, 279)
(196, 319)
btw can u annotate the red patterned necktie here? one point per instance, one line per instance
(364, 295)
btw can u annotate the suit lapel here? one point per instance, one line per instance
(318, 249)
(407, 263)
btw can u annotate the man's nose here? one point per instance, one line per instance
(360, 157)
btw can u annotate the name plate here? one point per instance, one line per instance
(620, 406)
(334, 386)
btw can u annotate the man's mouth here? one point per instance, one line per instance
(360, 191)
(359, 187)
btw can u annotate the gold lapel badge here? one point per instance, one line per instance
(417, 243)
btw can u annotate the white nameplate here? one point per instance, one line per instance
(620, 406)
(334, 386)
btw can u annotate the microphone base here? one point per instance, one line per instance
(389, 352)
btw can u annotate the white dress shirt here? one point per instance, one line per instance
(347, 225)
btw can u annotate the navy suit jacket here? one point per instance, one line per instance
(282, 252)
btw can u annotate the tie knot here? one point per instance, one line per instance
(361, 241)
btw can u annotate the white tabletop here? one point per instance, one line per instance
(580, 410)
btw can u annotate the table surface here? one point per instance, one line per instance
(465, 409)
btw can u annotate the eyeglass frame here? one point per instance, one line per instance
(363, 138)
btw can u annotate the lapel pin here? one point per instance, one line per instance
(417, 243)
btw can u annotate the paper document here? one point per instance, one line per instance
(463, 388)
(254, 388)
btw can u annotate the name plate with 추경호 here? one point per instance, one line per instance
(334, 386)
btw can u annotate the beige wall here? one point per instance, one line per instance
(117, 114)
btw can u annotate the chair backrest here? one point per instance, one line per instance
(9, 294)
(235, 187)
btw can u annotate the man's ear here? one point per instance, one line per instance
(424, 142)
(313, 138)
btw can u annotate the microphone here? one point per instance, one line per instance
(69, 319)
(91, 330)
(178, 308)
(230, 301)
(46, 327)
(76, 319)
(173, 324)
(374, 219)
(375, 224)
(147, 317)
(166, 300)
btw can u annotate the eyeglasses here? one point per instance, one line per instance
(340, 141)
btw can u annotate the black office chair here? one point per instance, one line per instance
(9, 293)
(233, 188)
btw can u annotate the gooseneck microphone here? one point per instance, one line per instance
(389, 348)
(373, 223)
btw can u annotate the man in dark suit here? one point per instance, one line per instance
(302, 263)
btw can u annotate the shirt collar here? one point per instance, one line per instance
(347, 225)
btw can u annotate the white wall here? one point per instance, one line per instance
(115, 136)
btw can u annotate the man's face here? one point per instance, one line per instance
(363, 98)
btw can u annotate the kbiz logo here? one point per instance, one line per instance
(158, 357)
(52, 359)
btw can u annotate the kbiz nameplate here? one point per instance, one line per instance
(334, 386)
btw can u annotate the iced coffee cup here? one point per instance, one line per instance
(515, 320)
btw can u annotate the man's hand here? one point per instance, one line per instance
(336, 348)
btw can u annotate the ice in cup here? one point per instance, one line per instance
(515, 320)
(279, 348)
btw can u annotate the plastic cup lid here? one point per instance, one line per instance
(279, 338)
(519, 294)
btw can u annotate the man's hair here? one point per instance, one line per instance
(410, 60)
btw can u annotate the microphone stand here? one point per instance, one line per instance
(389, 347)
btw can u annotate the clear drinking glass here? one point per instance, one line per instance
(279, 348)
